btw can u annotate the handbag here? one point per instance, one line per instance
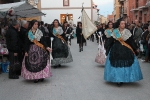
(17, 65)
(101, 57)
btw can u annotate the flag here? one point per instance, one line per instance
(88, 28)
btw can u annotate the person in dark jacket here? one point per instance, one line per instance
(69, 32)
(42, 27)
(22, 34)
(13, 45)
(80, 38)
(145, 42)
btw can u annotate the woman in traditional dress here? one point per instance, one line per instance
(36, 65)
(80, 38)
(109, 30)
(121, 65)
(61, 52)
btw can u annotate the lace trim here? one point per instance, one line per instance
(108, 35)
(38, 35)
(126, 34)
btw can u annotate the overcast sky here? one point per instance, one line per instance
(105, 6)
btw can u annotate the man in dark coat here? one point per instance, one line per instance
(13, 45)
(22, 35)
(145, 42)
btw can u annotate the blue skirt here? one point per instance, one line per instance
(122, 74)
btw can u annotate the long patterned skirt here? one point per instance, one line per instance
(36, 65)
(122, 74)
(61, 52)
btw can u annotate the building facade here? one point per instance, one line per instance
(116, 12)
(110, 18)
(103, 19)
(59, 9)
(132, 10)
(141, 10)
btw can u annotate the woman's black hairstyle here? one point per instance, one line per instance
(107, 26)
(58, 23)
(32, 23)
(118, 22)
(78, 24)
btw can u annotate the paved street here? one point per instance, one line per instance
(80, 80)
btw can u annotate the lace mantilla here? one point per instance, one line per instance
(125, 34)
(108, 33)
(58, 30)
(38, 35)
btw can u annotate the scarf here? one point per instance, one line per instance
(36, 38)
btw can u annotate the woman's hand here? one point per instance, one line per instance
(49, 49)
(26, 54)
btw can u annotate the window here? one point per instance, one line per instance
(65, 2)
(145, 18)
(137, 3)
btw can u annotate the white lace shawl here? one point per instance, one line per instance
(106, 33)
(125, 34)
(38, 35)
(59, 30)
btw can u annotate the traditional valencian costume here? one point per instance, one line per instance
(61, 52)
(121, 64)
(36, 65)
(108, 33)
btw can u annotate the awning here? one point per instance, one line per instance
(21, 10)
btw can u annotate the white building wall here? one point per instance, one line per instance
(48, 7)
(95, 16)
(59, 3)
(55, 14)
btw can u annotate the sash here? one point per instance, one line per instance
(58, 36)
(31, 38)
(119, 38)
(38, 44)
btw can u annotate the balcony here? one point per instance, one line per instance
(148, 3)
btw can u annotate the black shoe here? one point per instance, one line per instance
(14, 77)
(55, 67)
(41, 80)
(119, 84)
(82, 49)
(36, 81)
(59, 65)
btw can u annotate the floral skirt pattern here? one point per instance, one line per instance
(58, 61)
(29, 70)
